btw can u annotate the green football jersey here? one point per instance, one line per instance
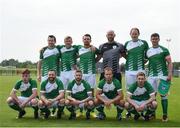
(136, 55)
(87, 60)
(140, 93)
(26, 88)
(110, 90)
(52, 90)
(157, 63)
(68, 57)
(79, 92)
(50, 60)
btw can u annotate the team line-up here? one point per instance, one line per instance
(71, 85)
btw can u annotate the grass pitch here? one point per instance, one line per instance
(7, 115)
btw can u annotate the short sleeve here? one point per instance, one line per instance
(17, 85)
(69, 88)
(60, 86)
(43, 84)
(41, 54)
(146, 47)
(34, 84)
(166, 52)
(87, 85)
(117, 85)
(101, 84)
(131, 89)
(150, 89)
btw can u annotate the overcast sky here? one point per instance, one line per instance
(25, 24)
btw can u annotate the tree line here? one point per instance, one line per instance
(30, 64)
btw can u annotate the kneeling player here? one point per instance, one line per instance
(79, 96)
(109, 92)
(28, 89)
(140, 98)
(52, 95)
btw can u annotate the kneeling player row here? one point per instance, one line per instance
(140, 96)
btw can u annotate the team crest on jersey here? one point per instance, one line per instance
(114, 47)
(50, 87)
(24, 86)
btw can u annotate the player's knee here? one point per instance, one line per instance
(154, 104)
(40, 103)
(97, 102)
(126, 105)
(34, 101)
(90, 103)
(9, 100)
(121, 103)
(67, 102)
(62, 101)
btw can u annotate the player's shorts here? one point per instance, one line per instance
(67, 77)
(55, 104)
(23, 99)
(91, 79)
(131, 77)
(154, 81)
(140, 102)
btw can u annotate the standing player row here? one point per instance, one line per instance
(136, 52)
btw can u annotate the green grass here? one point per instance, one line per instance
(7, 115)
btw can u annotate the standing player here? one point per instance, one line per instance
(109, 92)
(51, 95)
(88, 55)
(88, 58)
(135, 58)
(111, 53)
(49, 59)
(28, 89)
(79, 96)
(160, 68)
(68, 56)
(141, 97)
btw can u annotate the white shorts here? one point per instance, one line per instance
(140, 102)
(67, 77)
(55, 104)
(91, 79)
(23, 99)
(131, 77)
(154, 81)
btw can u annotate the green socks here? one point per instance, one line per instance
(164, 103)
(15, 107)
(119, 109)
(100, 109)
